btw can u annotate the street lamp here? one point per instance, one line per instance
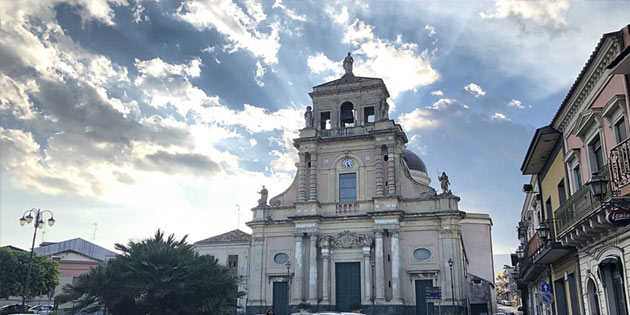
(543, 230)
(27, 217)
(598, 187)
(520, 252)
(450, 264)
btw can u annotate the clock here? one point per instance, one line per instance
(347, 163)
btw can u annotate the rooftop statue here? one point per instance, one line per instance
(347, 64)
(263, 196)
(444, 183)
(384, 108)
(308, 117)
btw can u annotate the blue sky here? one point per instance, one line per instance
(139, 115)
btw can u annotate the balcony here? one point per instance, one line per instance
(619, 163)
(345, 132)
(344, 208)
(534, 245)
(574, 209)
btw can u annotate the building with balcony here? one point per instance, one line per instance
(360, 227)
(582, 167)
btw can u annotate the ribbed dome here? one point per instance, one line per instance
(414, 162)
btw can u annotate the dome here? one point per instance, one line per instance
(414, 162)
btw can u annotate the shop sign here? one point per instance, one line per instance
(618, 217)
(432, 293)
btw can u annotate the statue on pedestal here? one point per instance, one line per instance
(384, 109)
(308, 117)
(347, 64)
(444, 183)
(263, 196)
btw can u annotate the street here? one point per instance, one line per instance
(508, 309)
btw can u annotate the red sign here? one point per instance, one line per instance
(618, 217)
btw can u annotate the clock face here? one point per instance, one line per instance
(347, 163)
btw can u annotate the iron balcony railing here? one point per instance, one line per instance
(573, 209)
(342, 132)
(619, 162)
(534, 245)
(581, 204)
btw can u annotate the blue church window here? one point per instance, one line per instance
(348, 187)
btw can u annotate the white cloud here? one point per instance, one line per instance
(432, 116)
(401, 65)
(209, 49)
(430, 29)
(437, 93)
(319, 63)
(499, 116)
(475, 89)
(516, 103)
(290, 13)
(358, 32)
(259, 73)
(547, 13)
(239, 28)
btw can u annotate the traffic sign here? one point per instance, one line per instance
(545, 287)
(432, 293)
(546, 298)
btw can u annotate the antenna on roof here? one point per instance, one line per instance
(94, 233)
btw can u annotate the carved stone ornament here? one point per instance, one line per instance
(347, 239)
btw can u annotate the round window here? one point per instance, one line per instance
(421, 254)
(281, 258)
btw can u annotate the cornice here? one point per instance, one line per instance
(594, 72)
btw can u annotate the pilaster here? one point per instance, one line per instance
(395, 255)
(302, 178)
(313, 184)
(325, 276)
(391, 168)
(312, 270)
(379, 171)
(367, 271)
(379, 267)
(297, 282)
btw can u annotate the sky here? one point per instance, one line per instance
(127, 116)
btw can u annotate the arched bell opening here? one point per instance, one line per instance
(347, 115)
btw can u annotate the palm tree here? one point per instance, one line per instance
(156, 276)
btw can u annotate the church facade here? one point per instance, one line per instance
(360, 227)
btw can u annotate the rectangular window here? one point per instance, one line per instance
(562, 193)
(548, 204)
(324, 120)
(597, 156)
(577, 177)
(233, 263)
(348, 187)
(368, 114)
(620, 130)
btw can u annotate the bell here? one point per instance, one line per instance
(347, 117)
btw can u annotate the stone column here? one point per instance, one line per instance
(391, 168)
(367, 270)
(302, 178)
(313, 186)
(380, 271)
(312, 270)
(395, 268)
(325, 276)
(379, 171)
(297, 278)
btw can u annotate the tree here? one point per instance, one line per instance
(155, 276)
(13, 269)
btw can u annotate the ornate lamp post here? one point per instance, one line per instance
(450, 265)
(598, 187)
(27, 217)
(543, 231)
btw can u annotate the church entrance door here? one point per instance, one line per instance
(280, 298)
(348, 285)
(422, 307)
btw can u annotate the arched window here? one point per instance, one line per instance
(593, 298)
(612, 278)
(347, 115)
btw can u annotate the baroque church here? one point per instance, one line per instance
(359, 228)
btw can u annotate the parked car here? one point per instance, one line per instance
(15, 309)
(41, 309)
(507, 302)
